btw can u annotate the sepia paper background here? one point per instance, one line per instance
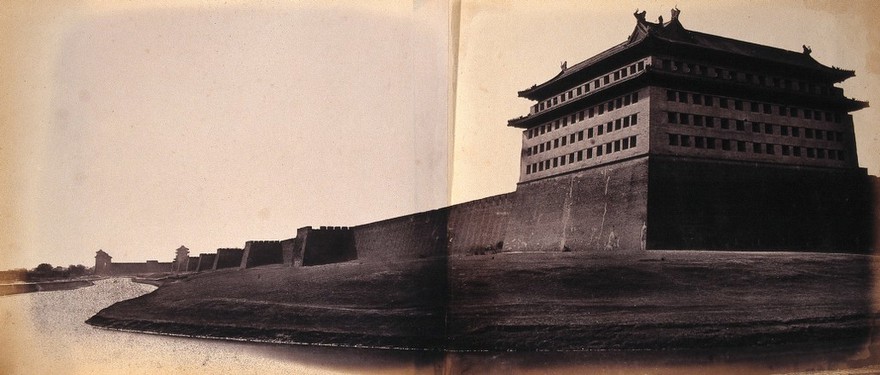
(137, 128)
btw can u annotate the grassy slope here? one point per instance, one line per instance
(559, 301)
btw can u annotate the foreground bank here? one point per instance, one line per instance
(526, 301)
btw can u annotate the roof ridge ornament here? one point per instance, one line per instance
(807, 50)
(563, 65)
(640, 16)
(675, 13)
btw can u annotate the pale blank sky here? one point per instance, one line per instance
(136, 129)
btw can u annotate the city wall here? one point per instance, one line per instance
(726, 206)
(598, 209)
(260, 253)
(228, 258)
(150, 266)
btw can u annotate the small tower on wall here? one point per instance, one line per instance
(181, 260)
(102, 263)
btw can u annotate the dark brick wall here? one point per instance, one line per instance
(193, 264)
(260, 253)
(206, 262)
(289, 254)
(713, 205)
(598, 209)
(478, 226)
(328, 245)
(139, 268)
(228, 258)
(419, 235)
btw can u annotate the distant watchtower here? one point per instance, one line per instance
(181, 260)
(102, 263)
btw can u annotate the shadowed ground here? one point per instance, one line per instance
(528, 301)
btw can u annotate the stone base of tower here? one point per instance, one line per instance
(597, 209)
(674, 203)
(696, 204)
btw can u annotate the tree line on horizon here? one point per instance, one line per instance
(45, 272)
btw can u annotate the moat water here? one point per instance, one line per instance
(44, 333)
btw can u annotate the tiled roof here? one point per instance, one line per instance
(673, 32)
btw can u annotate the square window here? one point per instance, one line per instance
(625, 143)
(601, 109)
(626, 122)
(707, 100)
(682, 97)
(626, 100)
(590, 113)
(808, 133)
(819, 134)
(608, 147)
(741, 146)
(839, 136)
(811, 153)
(579, 90)
(756, 148)
(632, 141)
(635, 97)
(589, 133)
(722, 102)
(555, 162)
(672, 117)
(725, 123)
(710, 143)
(756, 127)
(832, 154)
(641, 65)
(698, 120)
(581, 134)
(618, 103)
(796, 151)
(738, 105)
(768, 128)
(673, 139)
(699, 142)
(770, 149)
(795, 131)
(580, 155)
(564, 141)
(841, 155)
(767, 108)
(725, 144)
(581, 116)
(683, 119)
(571, 158)
(617, 124)
(685, 141)
(820, 153)
(783, 130)
(786, 150)
(782, 111)
(599, 150)
(697, 98)
(617, 145)
(599, 129)
(740, 125)
(572, 137)
(609, 127)
(808, 114)
(634, 119)
(589, 153)
(793, 112)
(710, 122)
(754, 107)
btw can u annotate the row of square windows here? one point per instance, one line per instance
(618, 124)
(585, 88)
(756, 127)
(750, 78)
(767, 108)
(581, 155)
(757, 148)
(611, 105)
